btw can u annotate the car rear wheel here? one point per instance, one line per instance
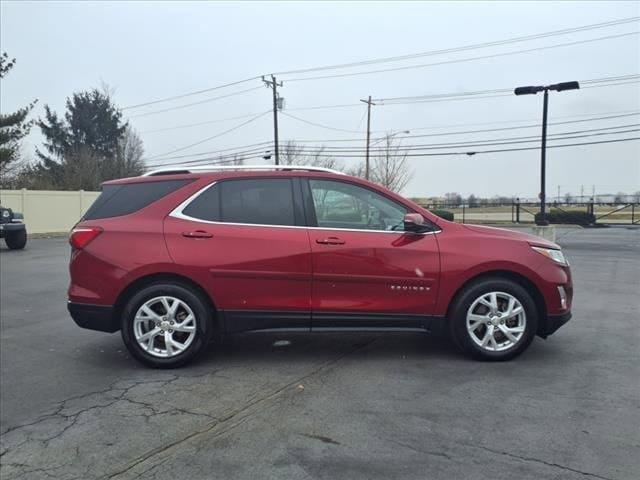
(16, 240)
(166, 325)
(493, 319)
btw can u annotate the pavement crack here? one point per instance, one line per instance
(544, 462)
(420, 450)
(237, 417)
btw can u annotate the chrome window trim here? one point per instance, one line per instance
(177, 213)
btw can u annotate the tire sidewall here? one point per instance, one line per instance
(458, 318)
(192, 299)
(16, 240)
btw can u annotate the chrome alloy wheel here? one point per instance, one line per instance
(496, 321)
(164, 326)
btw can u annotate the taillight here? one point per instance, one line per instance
(82, 236)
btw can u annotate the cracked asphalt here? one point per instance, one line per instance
(73, 405)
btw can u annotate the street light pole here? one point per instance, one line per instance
(532, 90)
(543, 161)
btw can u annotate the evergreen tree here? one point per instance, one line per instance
(13, 126)
(84, 148)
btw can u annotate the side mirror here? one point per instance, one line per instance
(414, 222)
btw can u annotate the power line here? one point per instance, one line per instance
(260, 146)
(189, 94)
(207, 122)
(319, 124)
(565, 31)
(588, 82)
(480, 152)
(485, 130)
(405, 149)
(625, 113)
(207, 100)
(202, 161)
(461, 60)
(212, 137)
(446, 146)
(353, 105)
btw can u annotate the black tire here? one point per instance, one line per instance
(16, 240)
(195, 301)
(464, 300)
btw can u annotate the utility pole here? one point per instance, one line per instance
(366, 162)
(273, 84)
(558, 193)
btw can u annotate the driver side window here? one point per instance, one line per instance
(344, 205)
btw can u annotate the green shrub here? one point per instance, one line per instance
(572, 217)
(446, 214)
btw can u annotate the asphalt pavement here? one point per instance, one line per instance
(74, 405)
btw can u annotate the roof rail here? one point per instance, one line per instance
(213, 168)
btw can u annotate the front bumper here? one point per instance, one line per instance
(94, 317)
(553, 323)
(6, 228)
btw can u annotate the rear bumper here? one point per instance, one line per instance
(94, 317)
(553, 323)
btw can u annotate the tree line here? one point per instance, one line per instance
(86, 145)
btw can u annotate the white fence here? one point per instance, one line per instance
(48, 211)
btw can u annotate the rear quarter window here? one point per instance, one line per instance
(118, 200)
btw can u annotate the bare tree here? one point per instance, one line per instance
(237, 160)
(390, 168)
(453, 199)
(293, 154)
(130, 152)
(357, 170)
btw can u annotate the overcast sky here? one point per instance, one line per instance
(152, 50)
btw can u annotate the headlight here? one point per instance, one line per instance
(555, 255)
(5, 213)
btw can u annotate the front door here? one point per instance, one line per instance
(245, 240)
(367, 271)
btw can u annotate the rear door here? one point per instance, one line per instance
(246, 238)
(367, 270)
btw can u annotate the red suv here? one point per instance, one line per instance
(178, 257)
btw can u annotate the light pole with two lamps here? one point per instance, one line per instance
(532, 90)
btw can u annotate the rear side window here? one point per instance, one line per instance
(258, 201)
(118, 200)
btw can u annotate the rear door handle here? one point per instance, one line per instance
(330, 241)
(197, 234)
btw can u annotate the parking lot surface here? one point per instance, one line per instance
(74, 405)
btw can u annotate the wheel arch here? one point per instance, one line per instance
(151, 279)
(518, 278)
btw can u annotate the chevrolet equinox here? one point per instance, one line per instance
(178, 257)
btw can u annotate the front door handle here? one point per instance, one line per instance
(197, 234)
(330, 241)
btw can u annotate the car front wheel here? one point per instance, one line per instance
(494, 319)
(166, 325)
